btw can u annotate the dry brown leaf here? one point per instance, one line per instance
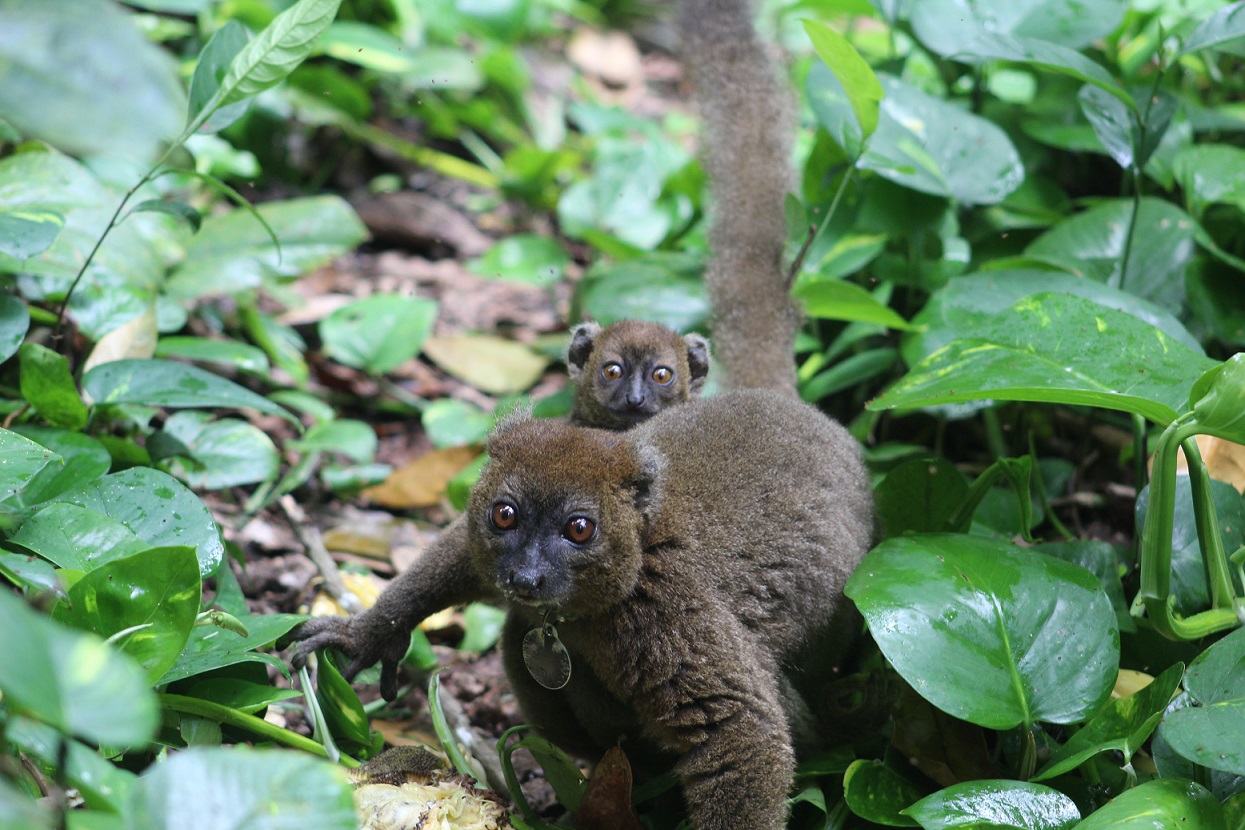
(606, 804)
(611, 56)
(364, 586)
(422, 482)
(1224, 460)
(135, 339)
(490, 364)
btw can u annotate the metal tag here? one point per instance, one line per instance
(546, 658)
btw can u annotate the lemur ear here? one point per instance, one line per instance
(583, 338)
(648, 480)
(697, 360)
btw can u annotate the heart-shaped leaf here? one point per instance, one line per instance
(1209, 733)
(877, 793)
(213, 648)
(1167, 802)
(945, 26)
(227, 453)
(21, 459)
(999, 805)
(172, 385)
(48, 385)
(380, 332)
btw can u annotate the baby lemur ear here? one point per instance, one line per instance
(697, 360)
(647, 483)
(583, 337)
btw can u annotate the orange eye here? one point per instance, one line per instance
(504, 515)
(611, 371)
(579, 530)
(663, 375)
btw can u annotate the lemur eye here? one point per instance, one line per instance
(504, 515)
(579, 530)
(663, 375)
(611, 371)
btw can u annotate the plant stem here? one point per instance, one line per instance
(834, 205)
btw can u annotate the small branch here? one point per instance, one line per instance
(798, 262)
(309, 535)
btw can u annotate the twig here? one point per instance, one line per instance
(309, 535)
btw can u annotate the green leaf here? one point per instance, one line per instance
(957, 310)
(340, 703)
(1057, 349)
(1210, 174)
(234, 251)
(21, 459)
(103, 784)
(1168, 802)
(378, 333)
(14, 323)
(1036, 635)
(877, 793)
(283, 45)
(863, 90)
(491, 364)
(72, 680)
(482, 624)
(48, 385)
(525, 258)
(214, 61)
(84, 460)
(237, 693)
(560, 771)
(849, 372)
(1098, 558)
(1120, 128)
(945, 26)
(1092, 244)
(452, 423)
(82, 76)
(1121, 725)
(238, 788)
(228, 353)
(368, 46)
(26, 233)
(155, 592)
(173, 385)
(228, 452)
(841, 300)
(20, 811)
(1209, 732)
(1218, 399)
(998, 805)
(76, 538)
(919, 496)
(930, 145)
(158, 509)
(212, 648)
(354, 439)
(1220, 29)
(661, 288)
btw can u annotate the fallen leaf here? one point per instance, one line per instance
(422, 482)
(134, 339)
(606, 804)
(611, 56)
(364, 586)
(491, 364)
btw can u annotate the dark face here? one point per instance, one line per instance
(638, 385)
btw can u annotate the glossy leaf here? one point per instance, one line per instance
(945, 26)
(664, 289)
(1166, 802)
(525, 258)
(158, 509)
(996, 805)
(1121, 725)
(14, 323)
(239, 788)
(861, 86)
(48, 385)
(1218, 399)
(378, 333)
(172, 385)
(341, 707)
(1036, 635)
(1057, 349)
(84, 460)
(213, 648)
(227, 453)
(355, 440)
(453, 423)
(26, 233)
(72, 680)
(919, 496)
(1130, 137)
(155, 592)
(1209, 732)
(21, 459)
(224, 45)
(75, 538)
(228, 353)
(957, 310)
(1220, 29)
(482, 626)
(878, 794)
(1210, 174)
(1100, 559)
(103, 785)
(840, 300)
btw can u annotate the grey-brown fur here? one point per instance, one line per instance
(638, 349)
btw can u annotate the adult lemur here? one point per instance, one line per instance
(663, 584)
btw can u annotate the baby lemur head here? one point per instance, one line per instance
(631, 370)
(557, 517)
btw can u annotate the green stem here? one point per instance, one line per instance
(1139, 451)
(825, 220)
(1206, 516)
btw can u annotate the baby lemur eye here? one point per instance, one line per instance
(579, 530)
(611, 371)
(504, 515)
(663, 375)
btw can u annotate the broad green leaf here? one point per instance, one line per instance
(1209, 733)
(927, 144)
(237, 693)
(1058, 349)
(368, 46)
(354, 439)
(227, 453)
(1220, 29)
(26, 233)
(1209, 174)
(1092, 244)
(662, 288)
(919, 496)
(276, 51)
(82, 76)
(840, 300)
(214, 61)
(341, 706)
(170, 207)
(72, 680)
(1100, 559)
(378, 333)
(491, 364)
(76, 538)
(213, 648)
(20, 459)
(1218, 399)
(863, 90)
(48, 385)
(228, 353)
(1166, 802)
(31, 574)
(14, 323)
(945, 26)
(234, 251)
(158, 509)
(156, 592)
(239, 788)
(172, 385)
(998, 805)
(1121, 725)
(1120, 129)
(526, 258)
(878, 794)
(988, 632)
(103, 784)
(849, 372)
(957, 310)
(482, 626)
(453, 423)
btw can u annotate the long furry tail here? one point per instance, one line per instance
(746, 142)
